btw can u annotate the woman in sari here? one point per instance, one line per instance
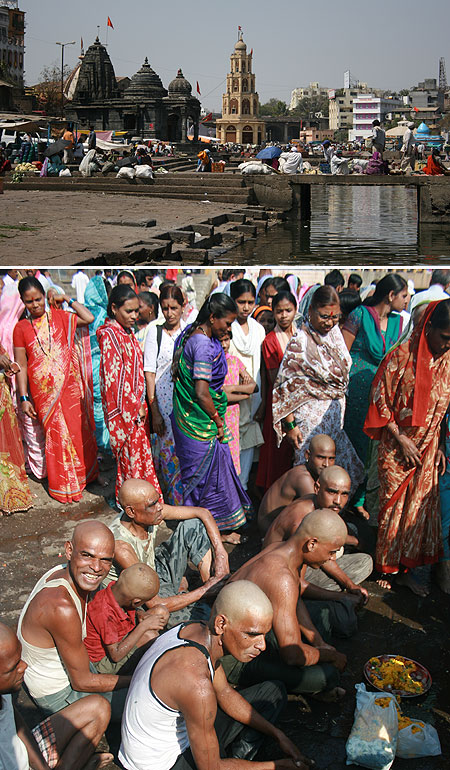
(309, 392)
(369, 332)
(409, 399)
(248, 336)
(122, 386)
(15, 493)
(273, 460)
(96, 301)
(158, 357)
(199, 404)
(44, 347)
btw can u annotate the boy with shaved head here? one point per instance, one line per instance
(182, 714)
(298, 481)
(117, 636)
(196, 539)
(52, 626)
(66, 740)
(296, 652)
(332, 490)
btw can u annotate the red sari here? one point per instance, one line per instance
(412, 390)
(122, 386)
(61, 401)
(273, 460)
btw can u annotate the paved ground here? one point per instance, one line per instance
(395, 622)
(63, 228)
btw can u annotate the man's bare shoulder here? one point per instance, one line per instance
(298, 509)
(175, 690)
(55, 601)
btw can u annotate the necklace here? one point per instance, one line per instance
(49, 341)
(200, 328)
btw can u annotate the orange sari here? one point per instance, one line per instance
(15, 493)
(412, 390)
(61, 400)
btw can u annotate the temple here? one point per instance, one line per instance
(240, 121)
(144, 107)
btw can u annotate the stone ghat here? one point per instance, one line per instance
(197, 244)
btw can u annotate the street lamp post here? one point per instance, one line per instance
(63, 45)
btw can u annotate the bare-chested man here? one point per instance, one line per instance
(298, 481)
(296, 653)
(172, 720)
(196, 539)
(332, 490)
(52, 626)
(67, 739)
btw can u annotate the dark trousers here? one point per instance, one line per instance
(235, 739)
(270, 665)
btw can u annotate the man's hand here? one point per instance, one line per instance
(360, 593)
(291, 764)
(292, 752)
(154, 619)
(339, 660)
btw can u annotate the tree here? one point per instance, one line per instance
(309, 107)
(273, 107)
(48, 90)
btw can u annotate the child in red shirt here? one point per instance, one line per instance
(117, 636)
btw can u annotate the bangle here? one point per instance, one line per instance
(151, 401)
(24, 398)
(289, 425)
(216, 414)
(71, 301)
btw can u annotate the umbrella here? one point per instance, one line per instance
(56, 147)
(269, 153)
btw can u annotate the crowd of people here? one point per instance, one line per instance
(312, 419)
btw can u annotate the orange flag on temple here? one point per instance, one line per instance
(198, 88)
(109, 23)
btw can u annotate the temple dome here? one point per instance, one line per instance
(145, 84)
(240, 46)
(180, 86)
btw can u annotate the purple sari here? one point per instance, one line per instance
(208, 474)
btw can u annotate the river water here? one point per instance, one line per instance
(348, 223)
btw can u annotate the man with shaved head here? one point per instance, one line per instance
(182, 714)
(332, 490)
(52, 626)
(298, 481)
(296, 653)
(196, 539)
(67, 739)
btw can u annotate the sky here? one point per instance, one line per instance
(391, 44)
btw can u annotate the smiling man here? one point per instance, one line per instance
(182, 714)
(52, 626)
(195, 539)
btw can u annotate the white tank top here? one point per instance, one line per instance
(153, 734)
(46, 674)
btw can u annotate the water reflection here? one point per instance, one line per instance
(366, 222)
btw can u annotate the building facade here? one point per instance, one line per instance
(427, 95)
(366, 109)
(144, 107)
(12, 47)
(340, 107)
(313, 91)
(240, 122)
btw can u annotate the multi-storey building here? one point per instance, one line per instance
(366, 109)
(314, 90)
(12, 49)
